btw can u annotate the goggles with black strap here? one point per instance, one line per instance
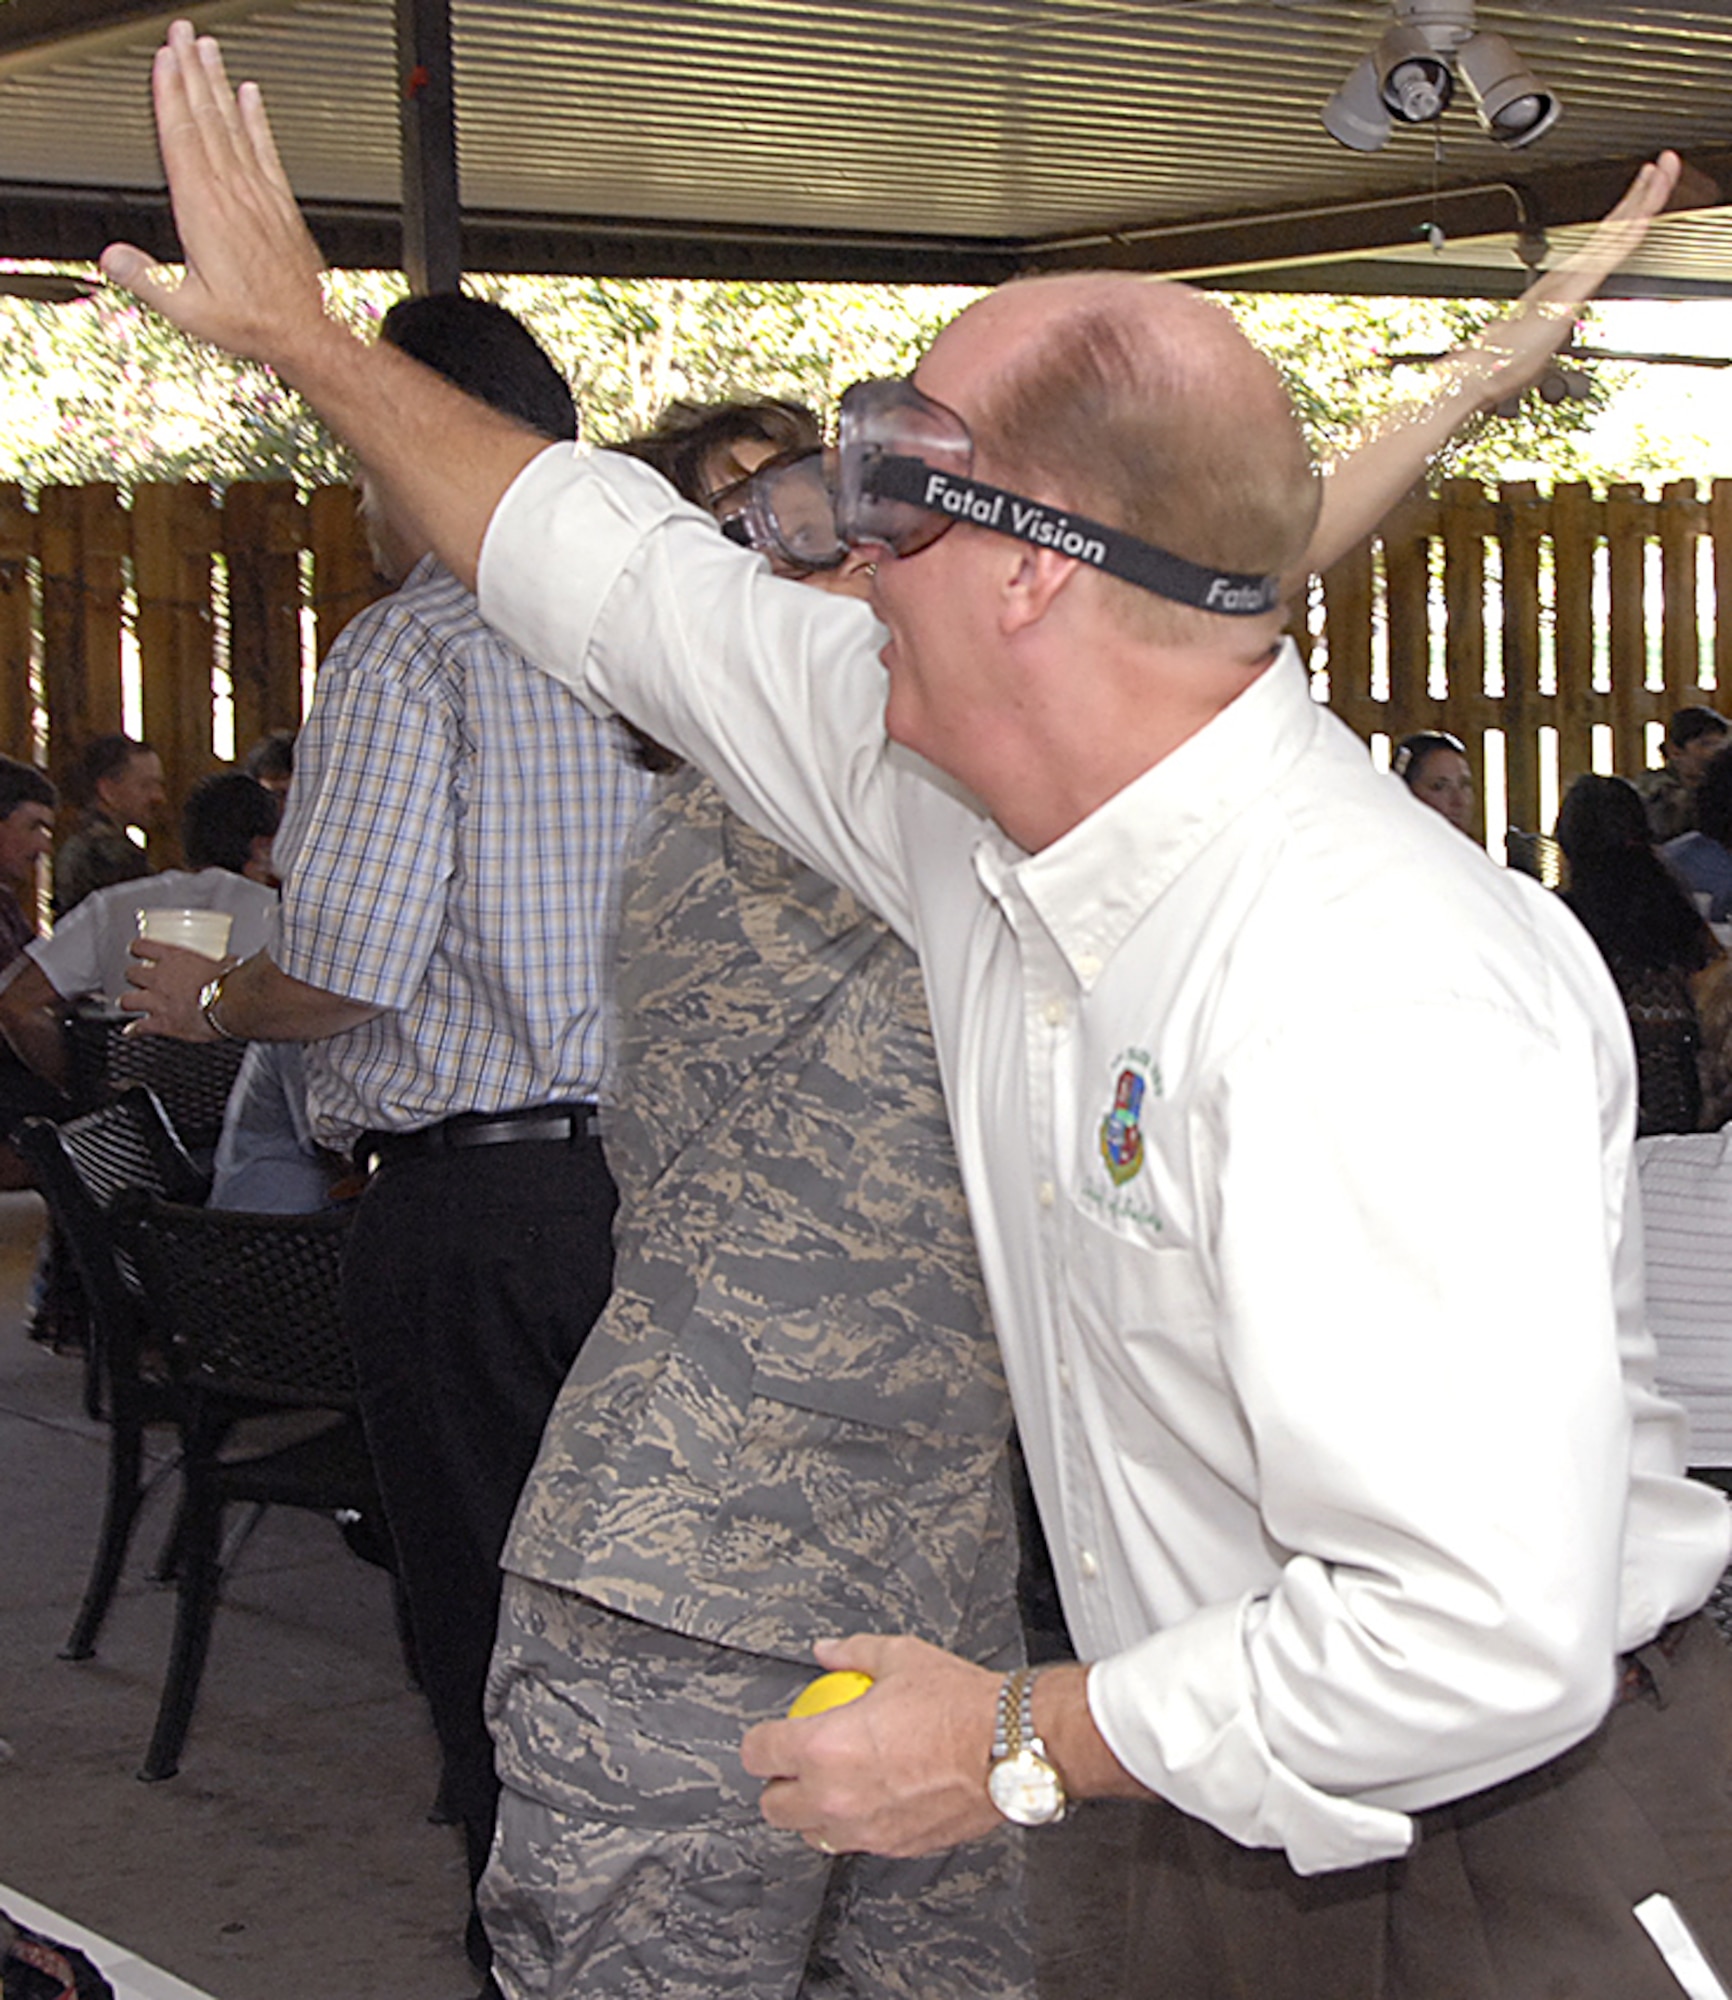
(902, 474)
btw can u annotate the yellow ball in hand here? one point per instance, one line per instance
(828, 1691)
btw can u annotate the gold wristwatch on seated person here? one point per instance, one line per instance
(1021, 1780)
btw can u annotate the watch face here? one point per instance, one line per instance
(1025, 1788)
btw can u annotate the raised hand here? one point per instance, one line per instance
(252, 278)
(1513, 348)
(1505, 356)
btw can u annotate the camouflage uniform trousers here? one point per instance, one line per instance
(631, 1860)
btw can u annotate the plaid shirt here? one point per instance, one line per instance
(451, 852)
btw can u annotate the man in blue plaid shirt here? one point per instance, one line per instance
(450, 856)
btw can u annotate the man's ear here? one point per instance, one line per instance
(1031, 586)
(258, 868)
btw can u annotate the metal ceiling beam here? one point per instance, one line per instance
(1402, 278)
(1313, 249)
(1551, 198)
(427, 112)
(73, 224)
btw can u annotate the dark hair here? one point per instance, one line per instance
(23, 785)
(1411, 752)
(223, 815)
(1630, 901)
(678, 444)
(272, 756)
(1714, 798)
(489, 354)
(1690, 724)
(103, 757)
(685, 434)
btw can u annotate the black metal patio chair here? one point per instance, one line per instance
(191, 1080)
(82, 1166)
(247, 1311)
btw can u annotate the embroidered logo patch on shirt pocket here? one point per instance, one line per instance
(1120, 1177)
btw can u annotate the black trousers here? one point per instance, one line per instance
(1522, 1892)
(470, 1281)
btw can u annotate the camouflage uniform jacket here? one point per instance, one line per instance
(790, 1420)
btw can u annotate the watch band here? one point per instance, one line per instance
(1004, 1718)
(209, 999)
(1021, 1780)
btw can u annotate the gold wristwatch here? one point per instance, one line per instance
(1021, 1781)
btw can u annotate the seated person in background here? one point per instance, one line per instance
(1658, 949)
(1433, 766)
(226, 830)
(27, 802)
(267, 1160)
(117, 783)
(26, 834)
(271, 761)
(1702, 859)
(1686, 1183)
(1694, 736)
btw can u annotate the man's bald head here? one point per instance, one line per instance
(1143, 405)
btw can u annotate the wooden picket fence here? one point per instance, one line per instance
(1553, 634)
(194, 603)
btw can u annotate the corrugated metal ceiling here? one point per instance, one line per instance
(652, 128)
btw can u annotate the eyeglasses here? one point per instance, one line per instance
(901, 475)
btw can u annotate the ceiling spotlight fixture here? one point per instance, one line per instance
(1355, 114)
(1513, 105)
(1413, 79)
(1411, 74)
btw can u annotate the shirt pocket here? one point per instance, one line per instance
(1140, 1293)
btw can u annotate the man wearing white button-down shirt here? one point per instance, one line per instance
(1366, 1516)
(1340, 1420)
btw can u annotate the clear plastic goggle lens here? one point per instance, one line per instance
(809, 511)
(786, 511)
(893, 419)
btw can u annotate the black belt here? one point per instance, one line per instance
(543, 1123)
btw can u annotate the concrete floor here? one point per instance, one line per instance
(292, 1858)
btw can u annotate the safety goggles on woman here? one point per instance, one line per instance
(901, 474)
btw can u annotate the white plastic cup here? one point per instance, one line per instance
(203, 931)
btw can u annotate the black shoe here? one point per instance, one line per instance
(480, 1952)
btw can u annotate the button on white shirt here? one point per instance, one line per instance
(1350, 1384)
